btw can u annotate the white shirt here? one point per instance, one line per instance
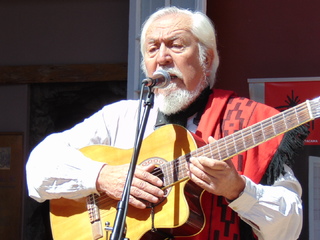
(56, 168)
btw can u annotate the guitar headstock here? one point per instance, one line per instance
(315, 107)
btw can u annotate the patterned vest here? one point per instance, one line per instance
(224, 114)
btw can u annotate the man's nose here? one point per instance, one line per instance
(164, 57)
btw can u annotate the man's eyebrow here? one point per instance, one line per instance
(170, 38)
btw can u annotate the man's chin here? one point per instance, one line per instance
(173, 99)
(173, 103)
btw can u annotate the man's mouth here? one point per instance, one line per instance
(173, 77)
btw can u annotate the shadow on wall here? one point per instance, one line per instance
(57, 107)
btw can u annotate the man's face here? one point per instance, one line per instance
(170, 44)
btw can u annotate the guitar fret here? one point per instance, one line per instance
(182, 163)
(203, 153)
(240, 143)
(230, 148)
(225, 147)
(172, 171)
(210, 150)
(173, 168)
(291, 121)
(253, 136)
(268, 129)
(257, 133)
(181, 170)
(246, 137)
(262, 131)
(280, 124)
(166, 174)
(284, 120)
(288, 120)
(304, 116)
(219, 152)
(234, 143)
(297, 116)
(244, 141)
(273, 126)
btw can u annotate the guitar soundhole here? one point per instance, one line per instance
(159, 173)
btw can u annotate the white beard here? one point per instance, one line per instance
(177, 99)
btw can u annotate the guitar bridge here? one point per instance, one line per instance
(94, 216)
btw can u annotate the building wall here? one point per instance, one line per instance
(268, 39)
(36, 32)
(265, 39)
(255, 39)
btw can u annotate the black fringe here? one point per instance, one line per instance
(291, 143)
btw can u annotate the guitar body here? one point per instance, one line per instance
(179, 214)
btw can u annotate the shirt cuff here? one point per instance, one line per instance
(89, 182)
(247, 198)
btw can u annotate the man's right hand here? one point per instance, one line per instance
(145, 185)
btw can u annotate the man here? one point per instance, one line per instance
(183, 44)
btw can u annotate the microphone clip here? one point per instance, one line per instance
(160, 79)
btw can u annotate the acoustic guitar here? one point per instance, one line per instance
(180, 212)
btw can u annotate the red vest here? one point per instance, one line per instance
(224, 114)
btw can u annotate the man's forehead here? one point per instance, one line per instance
(169, 26)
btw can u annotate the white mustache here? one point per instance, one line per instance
(173, 71)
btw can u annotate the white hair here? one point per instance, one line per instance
(202, 28)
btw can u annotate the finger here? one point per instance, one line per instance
(211, 139)
(197, 172)
(137, 203)
(209, 164)
(145, 190)
(145, 175)
(200, 179)
(143, 195)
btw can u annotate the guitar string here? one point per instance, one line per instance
(242, 138)
(262, 135)
(239, 138)
(269, 130)
(245, 135)
(276, 121)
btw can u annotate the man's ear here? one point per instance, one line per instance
(209, 61)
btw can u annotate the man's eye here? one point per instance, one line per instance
(152, 49)
(177, 46)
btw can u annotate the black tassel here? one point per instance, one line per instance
(291, 143)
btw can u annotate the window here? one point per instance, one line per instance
(314, 197)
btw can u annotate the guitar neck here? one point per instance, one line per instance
(244, 139)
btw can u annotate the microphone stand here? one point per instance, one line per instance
(118, 231)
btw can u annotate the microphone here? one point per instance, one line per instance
(160, 79)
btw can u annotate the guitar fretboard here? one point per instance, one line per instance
(244, 139)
